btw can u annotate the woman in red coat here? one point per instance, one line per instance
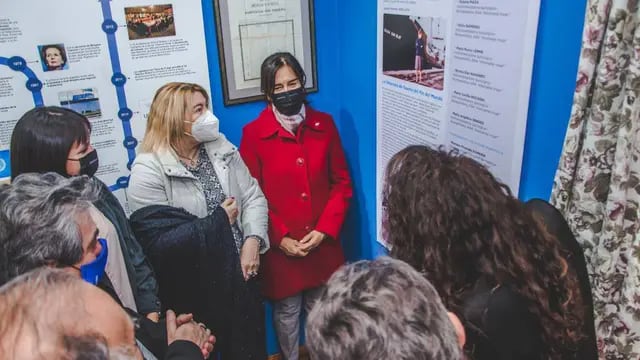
(295, 154)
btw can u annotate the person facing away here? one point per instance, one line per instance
(491, 261)
(382, 309)
(52, 314)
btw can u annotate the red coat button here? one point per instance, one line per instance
(300, 161)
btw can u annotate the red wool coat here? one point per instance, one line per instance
(307, 185)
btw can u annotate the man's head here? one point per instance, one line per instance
(44, 221)
(51, 314)
(380, 309)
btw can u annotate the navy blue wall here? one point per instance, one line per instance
(346, 54)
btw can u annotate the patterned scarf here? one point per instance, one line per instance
(290, 123)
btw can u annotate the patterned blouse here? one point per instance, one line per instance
(213, 192)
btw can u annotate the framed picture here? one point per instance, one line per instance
(251, 30)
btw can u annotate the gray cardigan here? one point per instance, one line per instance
(159, 178)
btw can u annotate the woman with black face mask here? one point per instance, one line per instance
(296, 155)
(55, 139)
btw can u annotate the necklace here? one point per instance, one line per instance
(190, 161)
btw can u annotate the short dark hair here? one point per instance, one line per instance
(42, 138)
(270, 67)
(60, 48)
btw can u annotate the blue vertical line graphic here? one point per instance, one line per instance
(118, 80)
(111, 39)
(34, 85)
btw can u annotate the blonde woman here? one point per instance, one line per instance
(187, 165)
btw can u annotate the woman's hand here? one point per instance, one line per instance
(250, 258)
(292, 247)
(312, 240)
(230, 205)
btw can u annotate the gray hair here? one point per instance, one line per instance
(44, 306)
(38, 221)
(380, 309)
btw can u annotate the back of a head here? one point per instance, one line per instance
(450, 218)
(38, 214)
(42, 316)
(446, 215)
(380, 309)
(441, 210)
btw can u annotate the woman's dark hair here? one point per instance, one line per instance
(450, 218)
(60, 48)
(43, 137)
(270, 67)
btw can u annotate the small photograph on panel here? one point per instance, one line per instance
(83, 101)
(53, 57)
(152, 21)
(413, 49)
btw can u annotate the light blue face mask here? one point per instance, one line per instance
(93, 271)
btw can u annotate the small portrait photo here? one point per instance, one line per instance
(53, 57)
(414, 49)
(151, 21)
(83, 101)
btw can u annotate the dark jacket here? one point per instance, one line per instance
(183, 350)
(151, 334)
(498, 321)
(198, 269)
(557, 226)
(141, 276)
(499, 324)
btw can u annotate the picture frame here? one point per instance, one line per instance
(250, 30)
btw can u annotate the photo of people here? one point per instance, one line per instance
(414, 49)
(83, 101)
(53, 57)
(151, 21)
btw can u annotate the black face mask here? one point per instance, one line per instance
(289, 103)
(89, 163)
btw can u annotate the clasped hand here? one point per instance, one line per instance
(183, 327)
(302, 248)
